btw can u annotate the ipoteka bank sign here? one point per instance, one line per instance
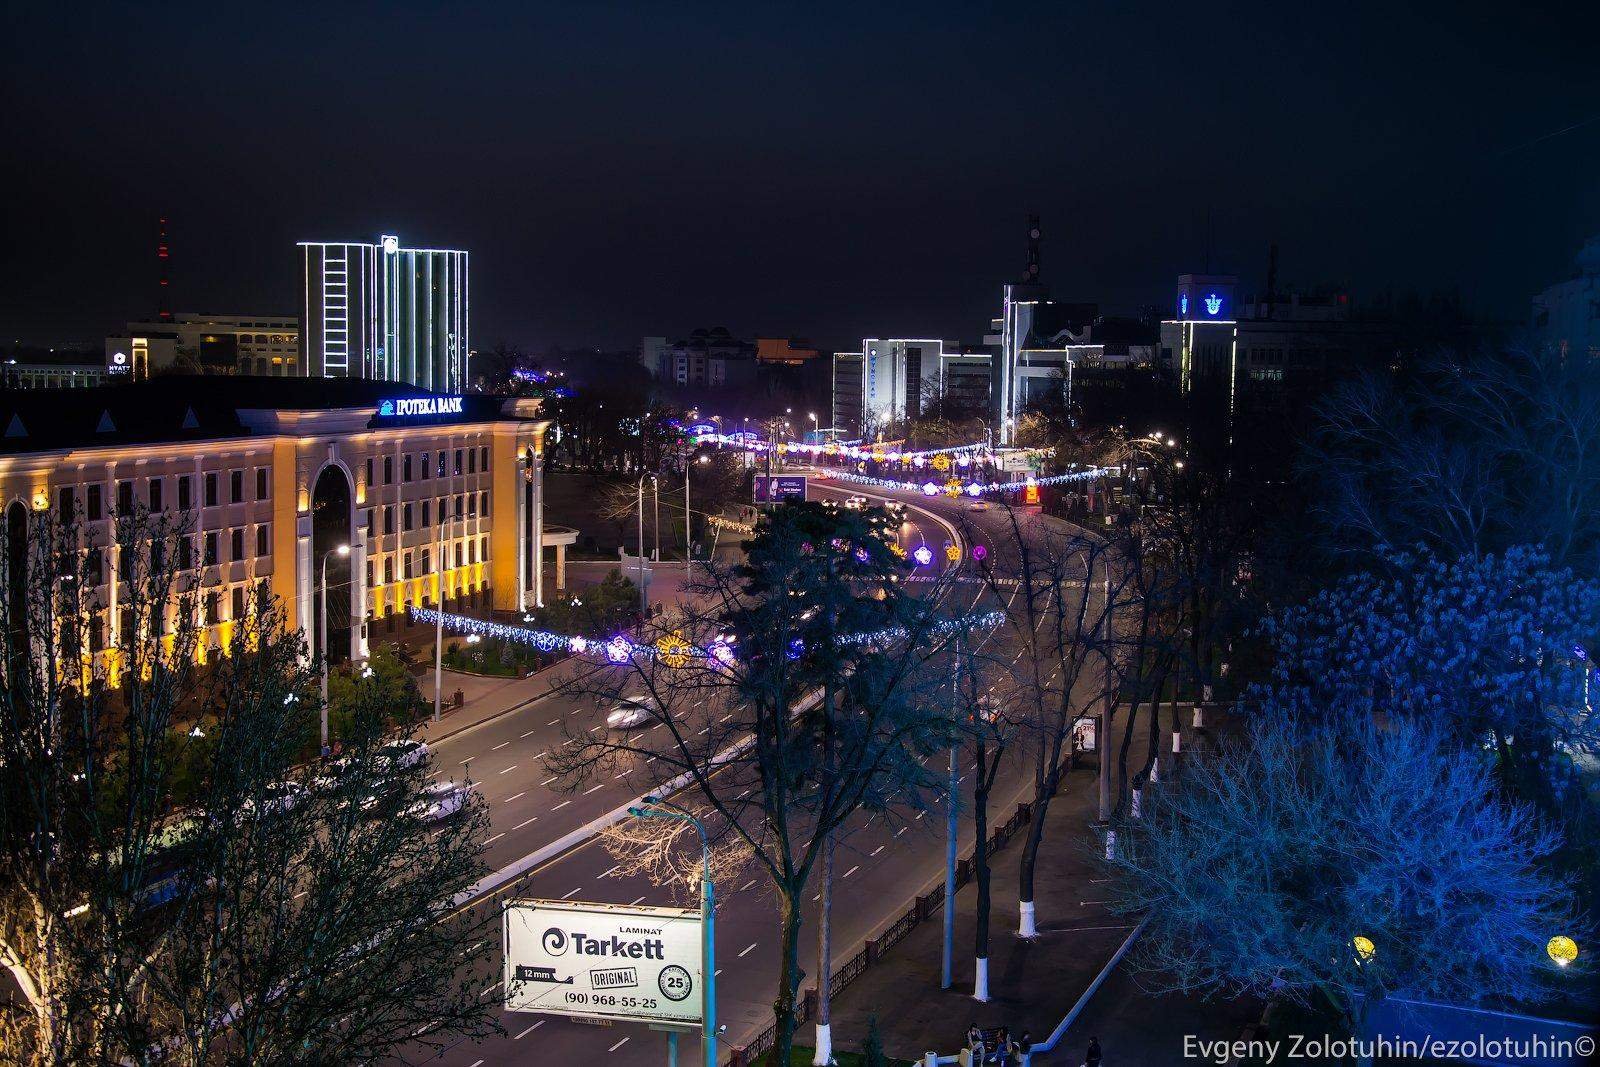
(603, 961)
(427, 406)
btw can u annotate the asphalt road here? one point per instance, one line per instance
(882, 864)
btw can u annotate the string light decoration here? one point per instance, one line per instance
(976, 489)
(856, 450)
(672, 650)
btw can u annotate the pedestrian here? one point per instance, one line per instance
(1092, 1055)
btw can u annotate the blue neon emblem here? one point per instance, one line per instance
(1213, 304)
(386, 408)
(1183, 304)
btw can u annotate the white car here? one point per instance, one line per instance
(440, 800)
(978, 505)
(280, 797)
(855, 503)
(630, 712)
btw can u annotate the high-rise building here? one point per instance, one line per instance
(387, 313)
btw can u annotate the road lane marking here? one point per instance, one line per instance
(498, 747)
(877, 850)
(852, 870)
(561, 805)
(495, 838)
(746, 952)
(618, 1045)
(902, 830)
(593, 788)
(524, 735)
(486, 992)
(747, 885)
(636, 901)
(568, 894)
(920, 814)
(519, 796)
(550, 779)
(509, 769)
(608, 873)
(529, 1030)
(525, 822)
(624, 774)
(553, 722)
(539, 755)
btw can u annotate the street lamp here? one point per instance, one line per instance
(342, 550)
(816, 429)
(655, 808)
(644, 600)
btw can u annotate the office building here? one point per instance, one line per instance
(848, 393)
(387, 313)
(30, 367)
(438, 497)
(1566, 316)
(267, 345)
(711, 357)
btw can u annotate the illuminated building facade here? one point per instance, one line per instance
(439, 498)
(387, 313)
(206, 344)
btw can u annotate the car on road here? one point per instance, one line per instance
(278, 799)
(979, 505)
(439, 800)
(855, 503)
(630, 712)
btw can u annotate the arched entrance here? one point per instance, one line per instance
(330, 527)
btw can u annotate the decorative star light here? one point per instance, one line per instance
(619, 649)
(923, 555)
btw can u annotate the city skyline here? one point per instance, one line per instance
(833, 178)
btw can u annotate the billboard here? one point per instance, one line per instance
(603, 961)
(771, 488)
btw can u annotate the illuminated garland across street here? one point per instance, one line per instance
(964, 455)
(672, 650)
(955, 488)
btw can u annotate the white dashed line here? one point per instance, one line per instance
(493, 839)
(525, 822)
(747, 951)
(539, 755)
(747, 885)
(561, 805)
(550, 779)
(509, 769)
(553, 722)
(636, 901)
(594, 788)
(568, 895)
(529, 1030)
(902, 830)
(519, 796)
(624, 774)
(498, 747)
(852, 870)
(877, 850)
(618, 1045)
(521, 736)
(920, 814)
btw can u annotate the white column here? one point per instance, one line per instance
(538, 527)
(561, 568)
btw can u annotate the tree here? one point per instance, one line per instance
(1063, 630)
(789, 693)
(173, 886)
(1335, 863)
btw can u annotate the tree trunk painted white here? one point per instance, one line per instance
(1177, 742)
(1155, 770)
(980, 984)
(1026, 927)
(1135, 805)
(1111, 844)
(824, 1054)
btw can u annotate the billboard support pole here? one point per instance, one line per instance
(654, 807)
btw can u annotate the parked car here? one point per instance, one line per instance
(630, 712)
(280, 797)
(439, 800)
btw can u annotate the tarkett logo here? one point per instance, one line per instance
(555, 942)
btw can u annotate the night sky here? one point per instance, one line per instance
(812, 170)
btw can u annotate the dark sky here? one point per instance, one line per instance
(815, 170)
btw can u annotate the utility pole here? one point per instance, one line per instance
(688, 551)
(644, 599)
(952, 825)
(655, 492)
(1108, 695)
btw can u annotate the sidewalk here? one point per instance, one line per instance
(1032, 985)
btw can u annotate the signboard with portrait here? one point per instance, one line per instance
(774, 488)
(603, 961)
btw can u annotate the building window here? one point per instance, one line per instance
(388, 519)
(370, 482)
(64, 501)
(238, 602)
(472, 461)
(155, 496)
(483, 504)
(458, 553)
(236, 543)
(388, 470)
(95, 564)
(458, 461)
(124, 498)
(185, 497)
(483, 459)
(425, 471)
(459, 506)
(185, 553)
(211, 549)
(425, 562)
(472, 505)
(125, 628)
(405, 518)
(388, 570)
(426, 506)
(97, 632)
(262, 486)
(264, 540)
(211, 489)
(369, 574)
(483, 549)
(236, 487)
(444, 510)
(441, 463)
(371, 528)
(158, 558)
(92, 504)
(406, 471)
(405, 565)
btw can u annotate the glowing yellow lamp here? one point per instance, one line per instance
(1562, 949)
(1364, 947)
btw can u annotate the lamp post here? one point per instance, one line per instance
(655, 491)
(816, 430)
(654, 808)
(342, 550)
(644, 600)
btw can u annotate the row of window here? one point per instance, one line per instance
(467, 554)
(160, 624)
(467, 505)
(155, 495)
(418, 468)
(210, 552)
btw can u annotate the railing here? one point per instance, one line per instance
(922, 908)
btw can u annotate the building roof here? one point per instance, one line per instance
(172, 408)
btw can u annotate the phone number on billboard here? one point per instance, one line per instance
(606, 1000)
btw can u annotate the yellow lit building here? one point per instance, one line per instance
(436, 497)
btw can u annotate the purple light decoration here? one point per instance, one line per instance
(923, 555)
(618, 649)
(796, 649)
(979, 552)
(930, 489)
(579, 645)
(863, 555)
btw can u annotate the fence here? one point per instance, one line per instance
(922, 908)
